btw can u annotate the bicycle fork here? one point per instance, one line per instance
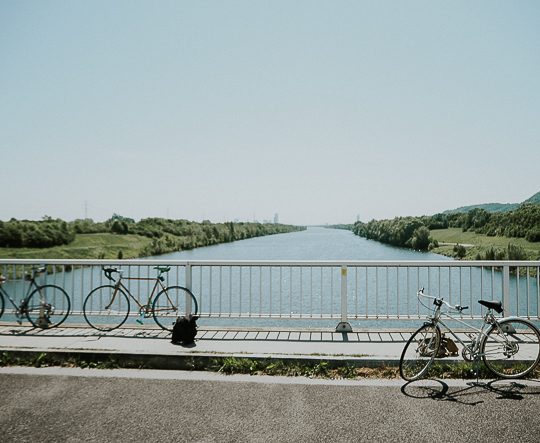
(116, 287)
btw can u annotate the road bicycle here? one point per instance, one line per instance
(509, 346)
(45, 306)
(107, 307)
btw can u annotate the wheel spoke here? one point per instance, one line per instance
(419, 352)
(47, 306)
(171, 303)
(512, 350)
(105, 308)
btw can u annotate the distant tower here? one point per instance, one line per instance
(276, 218)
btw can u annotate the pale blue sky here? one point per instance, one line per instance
(320, 111)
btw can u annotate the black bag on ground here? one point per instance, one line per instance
(184, 329)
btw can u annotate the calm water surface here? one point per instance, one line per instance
(315, 243)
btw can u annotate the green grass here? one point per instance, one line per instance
(85, 246)
(478, 243)
(326, 369)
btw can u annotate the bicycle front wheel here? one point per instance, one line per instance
(47, 306)
(106, 308)
(511, 348)
(419, 352)
(1, 304)
(171, 303)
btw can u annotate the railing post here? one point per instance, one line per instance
(506, 290)
(188, 285)
(344, 325)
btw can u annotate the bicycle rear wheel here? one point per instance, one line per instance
(511, 350)
(419, 352)
(47, 306)
(106, 308)
(1, 304)
(171, 303)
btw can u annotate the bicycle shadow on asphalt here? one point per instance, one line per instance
(438, 390)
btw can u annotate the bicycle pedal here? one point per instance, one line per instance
(139, 321)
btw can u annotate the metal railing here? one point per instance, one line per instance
(316, 291)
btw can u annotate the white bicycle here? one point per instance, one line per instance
(509, 346)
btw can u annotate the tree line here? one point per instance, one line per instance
(414, 232)
(166, 235)
(409, 232)
(35, 234)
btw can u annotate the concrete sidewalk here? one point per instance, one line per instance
(370, 347)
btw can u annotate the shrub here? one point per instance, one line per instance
(460, 251)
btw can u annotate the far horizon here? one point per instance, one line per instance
(271, 221)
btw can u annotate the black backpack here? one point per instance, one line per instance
(184, 330)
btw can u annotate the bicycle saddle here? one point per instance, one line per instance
(495, 305)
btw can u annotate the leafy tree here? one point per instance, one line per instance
(119, 227)
(420, 239)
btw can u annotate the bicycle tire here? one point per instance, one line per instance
(170, 303)
(47, 306)
(511, 349)
(98, 311)
(419, 352)
(2, 304)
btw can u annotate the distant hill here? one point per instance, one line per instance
(496, 207)
(534, 199)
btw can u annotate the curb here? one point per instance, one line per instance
(193, 362)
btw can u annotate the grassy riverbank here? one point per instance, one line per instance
(477, 245)
(85, 246)
(121, 237)
(109, 246)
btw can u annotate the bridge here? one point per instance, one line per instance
(350, 311)
(298, 294)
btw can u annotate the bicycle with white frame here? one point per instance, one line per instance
(509, 346)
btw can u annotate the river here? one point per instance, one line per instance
(315, 243)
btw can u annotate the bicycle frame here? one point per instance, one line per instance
(147, 307)
(18, 308)
(474, 349)
(489, 323)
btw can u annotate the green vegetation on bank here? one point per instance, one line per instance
(477, 234)
(291, 367)
(121, 237)
(454, 242)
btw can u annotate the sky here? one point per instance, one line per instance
(318, 111)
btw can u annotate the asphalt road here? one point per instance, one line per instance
(173, 406)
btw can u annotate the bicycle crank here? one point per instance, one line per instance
(145, 311)
(467, 354)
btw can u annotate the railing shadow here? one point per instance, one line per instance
(438, 390)
(217, 334)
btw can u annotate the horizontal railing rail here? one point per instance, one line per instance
(319, 292)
